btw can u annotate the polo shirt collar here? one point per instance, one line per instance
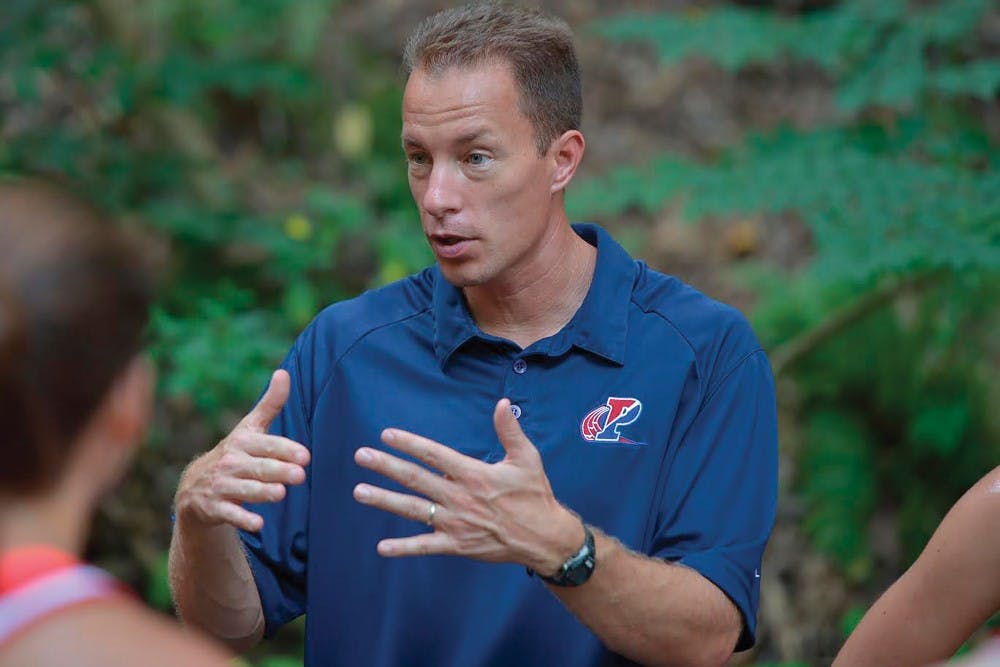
(599, 326)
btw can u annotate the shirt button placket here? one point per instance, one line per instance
(519, 366)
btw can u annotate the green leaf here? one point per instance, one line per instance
(839, 485)
(979, 78)
(941, 427)
(158, 593)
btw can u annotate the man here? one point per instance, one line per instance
(546, 403)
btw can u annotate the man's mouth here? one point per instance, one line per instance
(449, 246)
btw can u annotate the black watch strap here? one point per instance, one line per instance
(577, 568)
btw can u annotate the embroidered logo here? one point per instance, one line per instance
(602, 424)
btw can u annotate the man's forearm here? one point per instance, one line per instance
(213, 585)
(653, 612)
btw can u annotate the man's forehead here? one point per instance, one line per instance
(466, 101)
(424, 85)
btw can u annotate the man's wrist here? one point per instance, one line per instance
(578, 568)
(565, 537)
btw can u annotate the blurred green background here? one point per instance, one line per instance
(830, 167)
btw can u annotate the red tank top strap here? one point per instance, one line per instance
(25, 564)
(36, 582)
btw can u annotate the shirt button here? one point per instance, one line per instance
(516, 411)
(520, 365)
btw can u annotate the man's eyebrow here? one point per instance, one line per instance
(464, 138)
(473, 135)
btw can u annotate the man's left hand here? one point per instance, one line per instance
(496, 512)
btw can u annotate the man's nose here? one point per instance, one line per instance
(442, 195)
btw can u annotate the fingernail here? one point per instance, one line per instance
(363, 456)
(388, 435)
(362, 492)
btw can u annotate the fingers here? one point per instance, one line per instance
(240, 465)
(246, 467)
(270, 404)
(419, 545)
(400, 504)
(249, 490)
(409, 474)
(235, 515)
(434, 454)
(509, 431)
(272, 447)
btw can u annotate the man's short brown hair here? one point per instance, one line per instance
(538, 48)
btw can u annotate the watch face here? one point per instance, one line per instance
(581, 572)
(578, 568)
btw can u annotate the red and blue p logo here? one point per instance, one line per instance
(602, 424)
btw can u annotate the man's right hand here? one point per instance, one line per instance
(247, 466)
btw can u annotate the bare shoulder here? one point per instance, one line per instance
(109, 634)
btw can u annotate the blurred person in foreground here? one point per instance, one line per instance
(76, 391)
(545, 401)
(948, 593)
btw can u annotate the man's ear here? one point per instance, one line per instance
(567, 153)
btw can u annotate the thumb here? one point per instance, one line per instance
(270, 404)
(513, 439)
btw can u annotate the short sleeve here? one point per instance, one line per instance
(721, 489)
(277, 554)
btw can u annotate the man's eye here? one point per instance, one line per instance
(417, 159)
(478, 159)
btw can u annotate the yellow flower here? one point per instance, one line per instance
(353, 131)
(298, 227)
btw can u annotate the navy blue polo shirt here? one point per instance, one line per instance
(654, 413)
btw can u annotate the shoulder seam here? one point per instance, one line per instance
(333, 366)
(670, 323)
(654, 311)
(718, 385)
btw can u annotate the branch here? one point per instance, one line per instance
(790, 353)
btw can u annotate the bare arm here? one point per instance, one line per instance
(212, 584)
(648, 610)
(949, 591)
(653, 612)
(211, 579)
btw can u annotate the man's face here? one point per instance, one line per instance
(484, 193)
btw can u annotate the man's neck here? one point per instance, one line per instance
(541, 299)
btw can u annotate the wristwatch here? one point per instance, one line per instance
(578, 567)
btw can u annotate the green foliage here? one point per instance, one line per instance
(279, 661)
(838, 483)
(871, 213)
(163, 92)
(158, 593)
(188, 347)
(885, 332)
(850, 620)
(879, 50)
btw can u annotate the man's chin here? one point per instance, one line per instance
(460, 276)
